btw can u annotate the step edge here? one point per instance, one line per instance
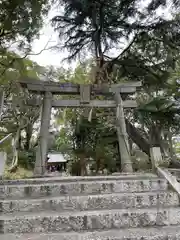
(148, 231)
(21, 215)
(79, 182)
(95, 195)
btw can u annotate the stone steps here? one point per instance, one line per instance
(92, 186)
(49, 222)
(78, 178)
(126, 207)
(91, 202)
(157, 233)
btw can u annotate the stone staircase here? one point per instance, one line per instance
(132, 207)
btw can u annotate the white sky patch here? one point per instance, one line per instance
(48, 38)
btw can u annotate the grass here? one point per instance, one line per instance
(20, 173)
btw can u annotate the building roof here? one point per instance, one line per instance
(55, 158)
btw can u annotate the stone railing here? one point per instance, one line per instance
(171, 179)
(3, 154)
(175, 172)
(171, 175)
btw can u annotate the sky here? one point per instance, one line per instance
(47, 39)
(47, 57)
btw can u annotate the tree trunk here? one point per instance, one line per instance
(29, 131)
(155, 136)
(130, 145)
(143, 144)
(172, 153)
(98, 165)
(1, 102)
(137, 138)
(19, 146)
(82, 164)
(118, 164)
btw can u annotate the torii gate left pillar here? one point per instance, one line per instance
(41, 154)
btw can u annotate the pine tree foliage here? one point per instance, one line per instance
(146, 43)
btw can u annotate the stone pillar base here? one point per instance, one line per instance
(156, 157)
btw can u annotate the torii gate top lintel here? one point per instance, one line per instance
(38, 86)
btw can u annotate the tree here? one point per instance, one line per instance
(21, 20)
(18, 118)
(152, 124)
(158, 116)
(84, 142)
(148, 43)
(20, 23)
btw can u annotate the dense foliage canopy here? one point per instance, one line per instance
(144, 41)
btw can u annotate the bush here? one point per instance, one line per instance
(27, 159)
(20, 173)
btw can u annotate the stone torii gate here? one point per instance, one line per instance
(49, 89)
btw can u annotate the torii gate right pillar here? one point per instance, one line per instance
(126, 164)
